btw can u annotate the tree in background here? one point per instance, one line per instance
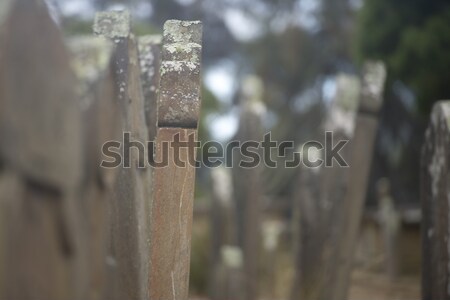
(413, 38)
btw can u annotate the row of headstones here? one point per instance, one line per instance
(328, 202)
(69, 228)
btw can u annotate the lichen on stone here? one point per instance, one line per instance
(176, 31)
(114, 24)
(90, 60)
(373, 81)
(178, 67)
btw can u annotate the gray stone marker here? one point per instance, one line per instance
(248, 185)
(435, 196)
(150, 59)
(129, 215)
(361, 147)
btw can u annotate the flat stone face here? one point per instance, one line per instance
(115, 24)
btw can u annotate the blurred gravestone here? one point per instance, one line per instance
(435, 194)
(330, 200)
(248, 186)
(226, 256)
(131, 200)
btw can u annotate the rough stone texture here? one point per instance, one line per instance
(179, 94)
(130, 203)
(176, 31)
(173, 197)
(150, 61)
(114, 24)
(435, 196)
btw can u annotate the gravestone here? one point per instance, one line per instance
(435, 197)
(178, 114)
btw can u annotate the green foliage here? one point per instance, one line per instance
(413, 38)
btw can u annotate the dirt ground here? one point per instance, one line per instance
(375, 286)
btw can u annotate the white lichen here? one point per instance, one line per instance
(114, 25)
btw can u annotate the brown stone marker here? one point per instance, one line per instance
(178, 114)
(130, 203)
(435, 196)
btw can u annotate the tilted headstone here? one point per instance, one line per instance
(327, 240)
(320, 197)
(435, 197)
(131, 200)
(360, 160)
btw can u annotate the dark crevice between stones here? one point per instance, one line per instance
(55, 196)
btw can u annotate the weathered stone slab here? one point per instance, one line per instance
(176, 31)
(435, 196)
(113, 25)
(131, 199)
(150, 61)
(179, 93)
